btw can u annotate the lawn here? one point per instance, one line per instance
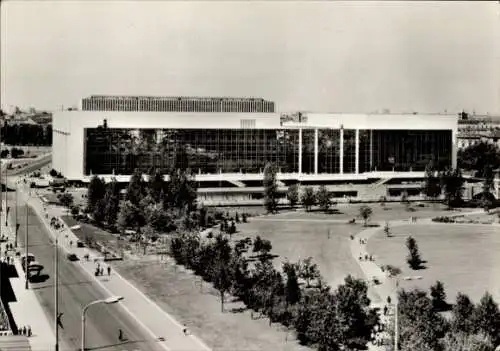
(296, 240)
(178, 292)
(97, 235)
(390, 211)
(464, 257)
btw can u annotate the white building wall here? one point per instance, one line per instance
(68, 148)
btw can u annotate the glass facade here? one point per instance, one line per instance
(208, 151)
(411, 150)
(308, 151)
(328, 151)
(211, 151)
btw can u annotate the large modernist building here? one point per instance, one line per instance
(175, 104)
(229, 150)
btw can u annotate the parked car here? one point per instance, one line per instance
(72, 257)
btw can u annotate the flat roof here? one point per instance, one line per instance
(74, 120)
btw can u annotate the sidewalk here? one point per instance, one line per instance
(27, 310)
(148, 314)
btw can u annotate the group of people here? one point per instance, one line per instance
(366, 257)
(99, 271)
(26, 331)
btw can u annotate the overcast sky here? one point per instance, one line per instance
(316, 56)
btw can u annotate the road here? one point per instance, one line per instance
(76, 290)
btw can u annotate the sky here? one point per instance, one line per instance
(305, 55)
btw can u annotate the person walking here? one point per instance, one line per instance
(109, 271)
(120, 335)
(29, 331)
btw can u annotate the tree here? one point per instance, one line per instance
(323, 197)
(130, 216)
(463, 315)
(421, 328)
(66, 199)
(365, 212)
(293, 194)
(99, 213)
(292, 288)
(222, 280)
(438, 296)
(432, 184)
(270, 188)
(156, 185)
(308, 198)
(181, 192)
(112, 202)
(476, 157)
(452, 182)
(136, 188)
(75, 211)
(461, 341)
(489, 179)
(353, 319)
(413, 257)
(159, 219)
(95, 192)
(308, 270)
(487, 318)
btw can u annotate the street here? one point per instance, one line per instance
(76, 290)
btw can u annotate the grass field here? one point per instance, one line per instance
(178, 292)
(390, 211)
(294, 240)
(464, 257)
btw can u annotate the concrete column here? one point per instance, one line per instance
(454, 149)
(341, 150)
(371, 150)
(316, 151)
(300, 151)
(356, 169)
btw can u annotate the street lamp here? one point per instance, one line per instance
(396, 305)
(108, 301)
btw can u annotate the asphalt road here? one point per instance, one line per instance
(76, 290)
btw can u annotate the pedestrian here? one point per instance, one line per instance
(23, 331)
(385, 310)
(185, 330)
(366, 257)
(102, 271)
(29, 330)
(109, 271)
(120, 335)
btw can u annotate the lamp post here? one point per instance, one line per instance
(108, 301)
(26, 283)
(56, 290)
(396, 310)
(17, 225)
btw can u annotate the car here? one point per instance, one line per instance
(72, 257)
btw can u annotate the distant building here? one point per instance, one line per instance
(473, 129)
(176, 104)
